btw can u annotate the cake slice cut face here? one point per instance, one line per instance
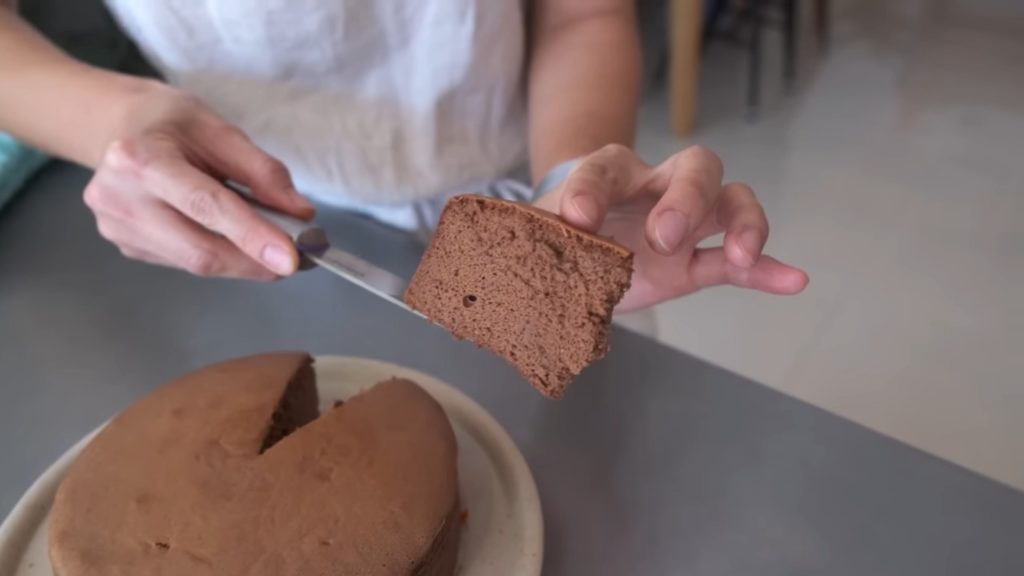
(523, 283)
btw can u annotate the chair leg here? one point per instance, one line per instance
(711, 22)
(790, 43)
(822, 19)
(754, 55)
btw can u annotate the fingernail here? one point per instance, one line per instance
(750, 242)
(278, 258)
(670, 229)
(587, 209)
(300, 201)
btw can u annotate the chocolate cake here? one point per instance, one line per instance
(229, 471)
(523, 283)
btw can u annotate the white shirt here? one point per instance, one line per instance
(384, 106)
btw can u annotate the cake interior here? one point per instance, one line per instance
(297, 407)
(524, 285)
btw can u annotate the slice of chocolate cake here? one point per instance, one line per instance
(523, 283)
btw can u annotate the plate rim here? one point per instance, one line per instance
(37, 500)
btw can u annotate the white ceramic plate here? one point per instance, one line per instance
(504, 531)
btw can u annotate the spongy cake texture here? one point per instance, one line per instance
(229, 471)
(524, 284)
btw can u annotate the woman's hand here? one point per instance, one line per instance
(662, 213)
(158, 195)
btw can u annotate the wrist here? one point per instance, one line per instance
(544, 192)
(554, 177)
(77, 110)
(122, 98)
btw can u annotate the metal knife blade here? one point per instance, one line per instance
(360, 272)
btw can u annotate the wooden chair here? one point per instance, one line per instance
(739, 22)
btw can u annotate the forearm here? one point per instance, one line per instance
(54, 102)
(584, 83)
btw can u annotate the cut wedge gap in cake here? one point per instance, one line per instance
(297, 407)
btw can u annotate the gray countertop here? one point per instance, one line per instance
(655, 462)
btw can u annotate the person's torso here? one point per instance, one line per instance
(366, 101)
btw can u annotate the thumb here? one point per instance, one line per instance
(605, 178)
(235, 156)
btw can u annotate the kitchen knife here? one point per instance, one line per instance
(313, 245)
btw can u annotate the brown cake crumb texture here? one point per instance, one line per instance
(228, 471)
(524, 284)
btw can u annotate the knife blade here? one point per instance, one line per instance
(314, 246)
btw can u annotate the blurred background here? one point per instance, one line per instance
(886, 141)
(891, 165)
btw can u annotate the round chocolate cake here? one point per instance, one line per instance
(230, 471)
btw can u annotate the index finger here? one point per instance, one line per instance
(606, 177)
(238, 158)
(200, 197)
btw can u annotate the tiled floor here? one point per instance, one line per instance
(895, 175)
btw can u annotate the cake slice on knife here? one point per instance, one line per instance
(523, 283)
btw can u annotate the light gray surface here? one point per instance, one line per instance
(655, 463)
